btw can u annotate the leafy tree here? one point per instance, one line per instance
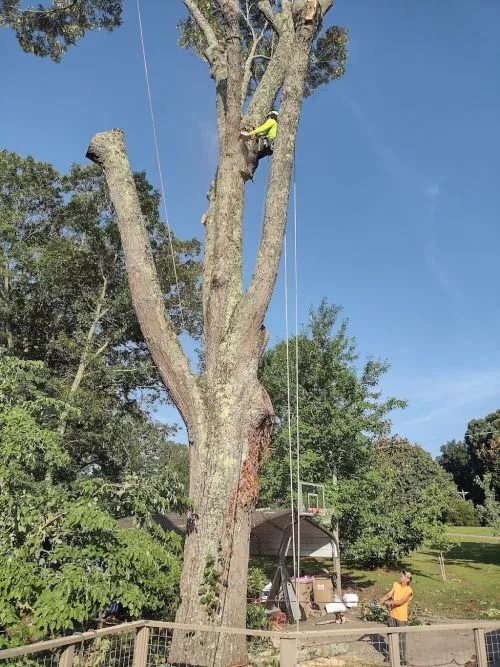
(482, 438)
(397, 504)
(455, 459)
(64, 558)
(476, 456)
(227, 412)
(341, 409)
(461, 513)
(65, 300)
(50, 30)
(490, 510)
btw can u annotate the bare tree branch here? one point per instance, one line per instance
(270, 14)
(247, 70)
(107, 149)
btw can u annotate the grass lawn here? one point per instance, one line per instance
(472, 589)
(470, 530)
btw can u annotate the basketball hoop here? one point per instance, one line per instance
(311, 500)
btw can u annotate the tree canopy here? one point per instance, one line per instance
(79, 445)
(392, 506)
(341, 406)
(476, 456)
(260, 25)
(64, 557)
(50, 30)
(65, 301)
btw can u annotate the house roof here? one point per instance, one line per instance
(178, 522)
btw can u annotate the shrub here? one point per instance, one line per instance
(461, 513)
(257, 619)
(256, 581)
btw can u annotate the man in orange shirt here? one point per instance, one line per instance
(397, 601)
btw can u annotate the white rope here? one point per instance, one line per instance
(158, 162)
(289, 414)
(296, 374)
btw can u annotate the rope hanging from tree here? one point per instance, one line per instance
(158, 162)
(295, 534)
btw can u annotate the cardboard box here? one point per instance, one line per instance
(323, 589)
(304, 590)
(305, 610)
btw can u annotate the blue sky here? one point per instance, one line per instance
(397, 178)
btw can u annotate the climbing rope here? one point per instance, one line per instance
(158, 162)
(297, 421)
(295, 542)
(289, 410)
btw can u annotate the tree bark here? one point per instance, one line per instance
(227, 412)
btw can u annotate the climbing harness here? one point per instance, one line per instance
(158, 163)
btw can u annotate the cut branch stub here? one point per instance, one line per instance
(107, 149)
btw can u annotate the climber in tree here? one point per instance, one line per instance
(265, 134)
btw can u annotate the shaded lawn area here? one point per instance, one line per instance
(472, 589)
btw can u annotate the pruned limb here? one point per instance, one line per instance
(107, 149)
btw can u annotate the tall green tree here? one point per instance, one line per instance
(226, 410)
(64, 300)
(51, 29)
(341, 406)
(490, 510)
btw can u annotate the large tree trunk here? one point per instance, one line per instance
(224, 490)
(227, 412)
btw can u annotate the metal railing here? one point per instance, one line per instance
(147, 644)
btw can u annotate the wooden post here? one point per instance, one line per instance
(480, 644)
(394, 649)
(141, 646)
(66, 659)
(288, 652)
